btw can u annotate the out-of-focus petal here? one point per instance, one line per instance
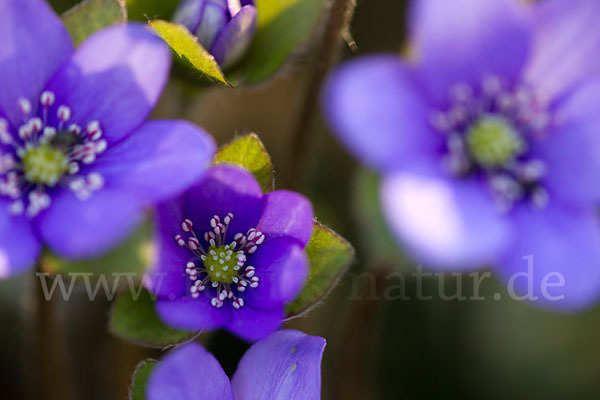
(463, 41)
(378, 113)
(563, 244)
(75, 228)
(214, 19)
(189, 373)
(158, 161)
(19, 247)
(566, 42)
(34, 45)
(571, 151)
(287, 364)
(189, 13)
(445, 222)
(115, 77)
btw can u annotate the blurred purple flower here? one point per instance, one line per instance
(284, 366)
(78, 164)
(229, 256)
(489, 143)
(224, 27)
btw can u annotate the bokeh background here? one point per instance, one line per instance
(377, 348)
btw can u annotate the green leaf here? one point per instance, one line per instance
(283, 28)
(135, 320)
(189, 51)
(249, 152)
(91, 16)
(133, 256)
(140, 379)
(329, 255)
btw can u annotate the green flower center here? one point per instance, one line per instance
(44, 164)
(221, 264)
(493, 142)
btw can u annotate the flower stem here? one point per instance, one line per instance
(336, 28)
(51, 349)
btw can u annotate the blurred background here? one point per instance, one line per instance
(377, 348)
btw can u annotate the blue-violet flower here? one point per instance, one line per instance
(229, 256)
(284, 366)
(488, 142)
(78, 164)
(225, 28)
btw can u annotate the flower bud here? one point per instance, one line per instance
(225, 28)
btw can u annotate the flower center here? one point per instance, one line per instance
(46, 151)
(493, 142)
(220, 264)
(44, 164)
(487, 130)
(217, 267)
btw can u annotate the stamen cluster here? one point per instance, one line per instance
(219, 265)
(488, 130)
(41, 154)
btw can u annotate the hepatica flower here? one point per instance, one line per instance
(78, 164)
(284, 366)
(229, 256)
(489, 142)
(225, 28)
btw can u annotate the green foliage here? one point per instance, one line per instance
(249, 152)
(132, 256)
(376, 237)
(140, 379)
(136, 321)
(189, 51)
(329, 255)
(92, 15)
(145, 10)
(283, 28)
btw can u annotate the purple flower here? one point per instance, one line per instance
(285, 365)
(229, 256)
(78, 164)
(488, 144)
(224, 27)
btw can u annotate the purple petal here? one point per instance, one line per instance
(189, 13)
(234, 40)
(282, 267)
(34, 45)
(19, 247)
(444, 222)
(287, 364)
(561, 242)
(572, 150)
(378, 113)
(115, 77)
(214, 19)
(189, 373)
(157, 161)
(167, 277)
(192, 314)
(462, 41)
(287, 214)
(75, 228)
(225, 189)
(251, 324)
(566, 42)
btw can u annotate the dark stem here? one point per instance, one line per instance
(336, 29)
(50, 347)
